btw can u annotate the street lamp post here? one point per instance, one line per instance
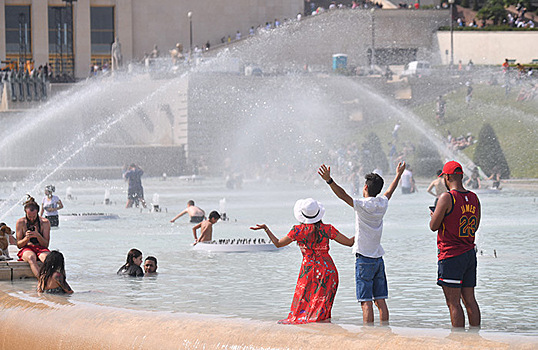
(189, 15)
(373, 37)
(23, 39)
(451, 2)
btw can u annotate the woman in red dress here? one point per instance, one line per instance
(318, 278)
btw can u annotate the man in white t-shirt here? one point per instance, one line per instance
(370, 278)
(408, 182)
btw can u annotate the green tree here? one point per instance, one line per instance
(489, 154)
(465, 3)
(426, 160)
(373, 156)
(492, 10)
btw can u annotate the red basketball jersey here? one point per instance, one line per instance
(457, 231)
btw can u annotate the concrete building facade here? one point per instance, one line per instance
(489, 48)
(79, 32)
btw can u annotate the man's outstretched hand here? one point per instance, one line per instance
(325, 172)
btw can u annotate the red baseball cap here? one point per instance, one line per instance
(450, 168)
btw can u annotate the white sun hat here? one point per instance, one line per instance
(308, 211)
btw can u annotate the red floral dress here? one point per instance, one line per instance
(318, 278)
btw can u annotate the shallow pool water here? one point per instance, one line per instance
(260, 285)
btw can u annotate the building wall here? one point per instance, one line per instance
(165, 22)
(314, 40)
(142, 24)
(82, 37)
(489, 47)
(2, 29)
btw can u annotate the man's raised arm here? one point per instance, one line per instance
(325, 173)
(399, 171)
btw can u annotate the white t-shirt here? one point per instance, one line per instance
(51, 203)
(407, 179)
(369, 214)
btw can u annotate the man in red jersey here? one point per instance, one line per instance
(456, 218)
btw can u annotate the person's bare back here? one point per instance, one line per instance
(206, 228)
(194, 211)
(206, 232)
(439, 186)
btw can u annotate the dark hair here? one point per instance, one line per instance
(375, 183)
(30, 202)
(214, 215)
(53, 263)
(133, 253)
(457, 176)
(191, 202)
(317, 235)
(152, 258)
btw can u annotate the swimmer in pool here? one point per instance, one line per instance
(196, 214)
(206, 228)
(52, 275)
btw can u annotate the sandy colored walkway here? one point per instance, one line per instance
(52, 322)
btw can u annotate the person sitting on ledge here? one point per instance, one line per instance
(196, 214)
(52, 277)
(33, 236)
(132, 266)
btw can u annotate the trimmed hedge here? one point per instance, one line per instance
(503, 28)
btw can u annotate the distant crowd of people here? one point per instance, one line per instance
(519, 20)
(520, 76)
(461, 142)
(516, 20)
(312, 8)
(99, 69)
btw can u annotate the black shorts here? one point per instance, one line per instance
(407, 190)
(458, 271)
(136, 194)
(53, 219)
(197, 219)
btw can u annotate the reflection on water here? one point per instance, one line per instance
(260, 285)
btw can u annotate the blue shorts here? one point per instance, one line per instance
(370, 278)
(458, 271)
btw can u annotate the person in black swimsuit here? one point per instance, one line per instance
(132, 266)
(52, 277)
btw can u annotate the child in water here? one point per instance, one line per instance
(52, 277)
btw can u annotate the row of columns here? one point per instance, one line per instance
(82, 29)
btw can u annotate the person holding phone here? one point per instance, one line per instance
(456, 219)
(33, 236)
